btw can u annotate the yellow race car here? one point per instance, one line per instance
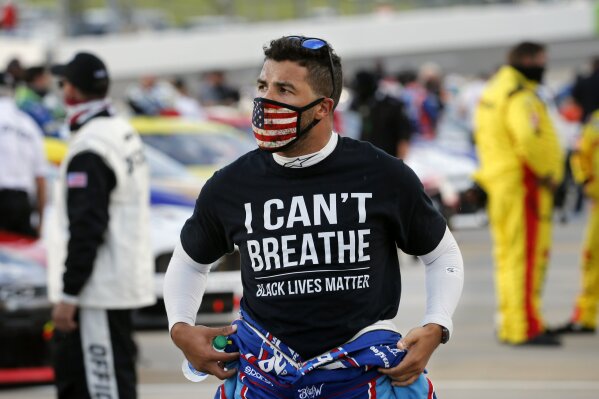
(202, 146)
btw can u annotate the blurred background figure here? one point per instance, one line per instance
(431, 79)
(185, 105)
(521, 165)
(31, 99)
(14, 74)
(586, 91)
(216, 91)
(387, 83)
(384, 122)
(585, 168)
(22, 168)
(413, 96)
(468, 99)
(151, 97)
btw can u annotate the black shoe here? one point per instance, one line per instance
(543, 339)
(573, 328)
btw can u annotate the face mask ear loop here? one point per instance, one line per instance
(310, 126)
(313, 103)
(299, 117)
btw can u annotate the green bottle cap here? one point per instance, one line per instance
(219, 342)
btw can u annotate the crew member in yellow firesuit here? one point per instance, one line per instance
(521, 164)
(585, 168)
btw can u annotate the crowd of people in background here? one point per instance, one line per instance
(160, 97)
(415, 99)
(390, 109)
(419, 100)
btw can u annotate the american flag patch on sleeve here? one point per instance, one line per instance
(76, 180)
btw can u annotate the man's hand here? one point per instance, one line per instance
(63, 316)
(196, 344)
(420, 343)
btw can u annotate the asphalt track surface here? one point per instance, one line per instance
(472, 365)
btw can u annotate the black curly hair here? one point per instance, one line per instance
(317, 61)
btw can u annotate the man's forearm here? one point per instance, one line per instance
(184, 285)
(444, 281)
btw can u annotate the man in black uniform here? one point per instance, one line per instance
(384, 121)
(586, 91)
(317, 220)
(99, 257)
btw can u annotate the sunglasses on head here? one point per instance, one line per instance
(314, 43)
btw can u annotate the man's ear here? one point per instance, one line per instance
(325, 108)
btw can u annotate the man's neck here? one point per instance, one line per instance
(306, 160)
(314, 142)
(80, 114)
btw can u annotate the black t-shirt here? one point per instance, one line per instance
(318, 244)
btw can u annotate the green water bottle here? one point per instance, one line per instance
(219, 343)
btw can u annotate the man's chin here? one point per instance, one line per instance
(293, 148)
(282, 150)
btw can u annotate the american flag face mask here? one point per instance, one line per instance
(277, 125)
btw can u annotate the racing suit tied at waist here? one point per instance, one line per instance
(268, 368)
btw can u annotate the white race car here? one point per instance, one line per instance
(220, 303)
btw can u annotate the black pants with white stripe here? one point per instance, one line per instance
(96, 361)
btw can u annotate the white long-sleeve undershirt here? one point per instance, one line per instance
(185, 284)
(444, 274)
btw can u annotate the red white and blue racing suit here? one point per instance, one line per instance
(267, 368)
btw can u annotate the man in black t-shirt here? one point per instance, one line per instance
(317, 220)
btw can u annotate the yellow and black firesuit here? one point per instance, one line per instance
(521, 162)
(585, 168)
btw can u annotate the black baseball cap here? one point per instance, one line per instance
(86, 72)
